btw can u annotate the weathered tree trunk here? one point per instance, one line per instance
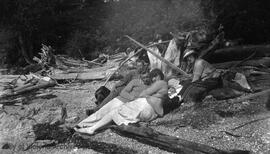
(265, 61)
(265, 92)
(238, 53)
(89, 74)
(259, 82)
(168, 143)
(30, 88)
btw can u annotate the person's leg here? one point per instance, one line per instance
(189, 96)
(199, 89)
(185, 91)
(107, 119)
(114, 103)
(208, 85)
(172, 104)
(186, 85)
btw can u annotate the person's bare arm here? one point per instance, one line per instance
(198, 69)
(126, 91)
(153, 89)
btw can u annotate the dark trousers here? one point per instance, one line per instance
(196, 91)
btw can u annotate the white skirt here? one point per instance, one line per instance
(135, 111)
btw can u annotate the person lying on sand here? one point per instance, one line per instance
(140, 71)
(146, 108)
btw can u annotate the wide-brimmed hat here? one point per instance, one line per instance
(189, 52)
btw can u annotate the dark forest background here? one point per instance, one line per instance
(85, 28)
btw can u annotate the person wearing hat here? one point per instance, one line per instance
(202, 70)
(203, 79)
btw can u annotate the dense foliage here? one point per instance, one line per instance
(248, 20)
(84, 28)
(33, 22)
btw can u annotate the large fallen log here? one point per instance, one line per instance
(250, 96)
(22, 99)
(259, 81)
(71, 62)
(80, 76)
(265, 62)
(41, 85)
(9, 78)
(168, 143)
(238, 52)
(89, 74)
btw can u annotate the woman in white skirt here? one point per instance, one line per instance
(146, 108)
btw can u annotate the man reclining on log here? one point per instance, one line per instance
(204, 78)
(146, 108)
(140, 72)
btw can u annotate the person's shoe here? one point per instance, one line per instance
(88, 112)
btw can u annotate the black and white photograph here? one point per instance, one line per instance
(134, 77)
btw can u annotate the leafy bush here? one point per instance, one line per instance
(247, 20)
(86, 28)
(101, 26)
(143, 19)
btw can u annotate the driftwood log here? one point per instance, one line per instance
(238, 52)
(262, 62)
(22, 99)
(30, 88)
(10, 78)
(250, 96)
(168, 143)
(80, 76)
(259, 81)
(84, 74)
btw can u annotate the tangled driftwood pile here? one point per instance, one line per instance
(51, 70)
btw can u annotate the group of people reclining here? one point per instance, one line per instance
(141, 96)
